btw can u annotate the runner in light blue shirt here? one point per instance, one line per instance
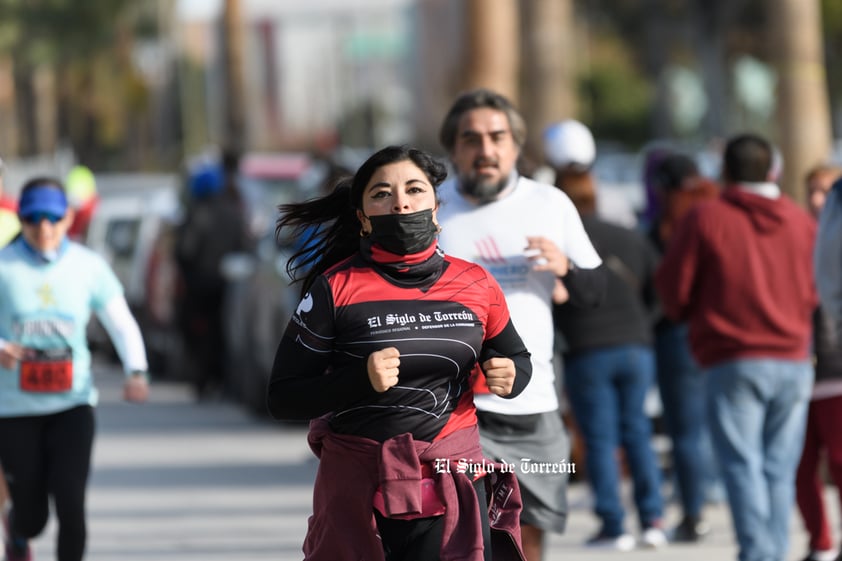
(49, 286)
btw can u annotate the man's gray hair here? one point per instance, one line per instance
(478, 99)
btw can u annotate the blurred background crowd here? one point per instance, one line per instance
(136, 103)
(131, 102)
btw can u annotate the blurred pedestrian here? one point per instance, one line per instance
(9, 228)
(824, 415)
(380, 353)
(609, 365)
(334, 173)
(49, 286)
(213, 228)
(828, 254)
(679, 186)
(738, 269)
(83, 198)
(530, 237)
(9, 222)
(652, 200)
(570, 150)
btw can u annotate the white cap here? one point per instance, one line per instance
(569, 142)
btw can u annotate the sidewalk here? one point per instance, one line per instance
(175, 480)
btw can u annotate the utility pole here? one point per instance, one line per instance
(804, 113)
(8, 110)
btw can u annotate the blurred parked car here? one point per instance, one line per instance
(260, 298)
(131, 228)
(135, 228)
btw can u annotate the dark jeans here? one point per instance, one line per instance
(47, 456)
(681, 385)
(204, 335)
(607, 388)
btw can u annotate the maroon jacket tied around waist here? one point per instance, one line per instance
(351, 468)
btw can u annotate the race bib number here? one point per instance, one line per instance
(47, 371)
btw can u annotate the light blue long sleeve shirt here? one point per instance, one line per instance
(46, 305)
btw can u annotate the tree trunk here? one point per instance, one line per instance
(46, 104)
(8, 118)
(26, 111)
(804, 115)
(549, 92)
(493, 46)
(235, 117)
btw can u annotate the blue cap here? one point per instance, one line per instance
(205, 181)
(43, 199)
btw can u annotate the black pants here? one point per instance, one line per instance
(49, 456)
(204, 335)
(420, 539)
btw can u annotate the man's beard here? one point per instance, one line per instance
(482, 189)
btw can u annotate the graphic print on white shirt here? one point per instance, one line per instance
(494, 235)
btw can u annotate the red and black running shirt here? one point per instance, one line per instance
(442, 330)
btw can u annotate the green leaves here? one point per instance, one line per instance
(44, 31)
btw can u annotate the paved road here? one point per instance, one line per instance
(174, 480)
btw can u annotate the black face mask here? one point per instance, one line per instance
(403, 234)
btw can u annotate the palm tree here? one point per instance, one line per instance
(493, 49)
(235, 119)
(549, 67)
(804, 114)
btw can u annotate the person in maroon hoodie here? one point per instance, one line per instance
(739, 271)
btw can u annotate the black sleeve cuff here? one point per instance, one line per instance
(586, 286)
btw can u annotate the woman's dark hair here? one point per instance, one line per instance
(43, 181)
(670, 172)
(329, 225)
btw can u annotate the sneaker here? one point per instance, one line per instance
(824, 555)
(690, 530)
(653, 537)
(17, 549)
(14, 553)
(621, 542)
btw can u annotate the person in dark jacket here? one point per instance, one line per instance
(381, 353)
(213, 228)
(609, 367)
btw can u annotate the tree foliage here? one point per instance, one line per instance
(706, 36)
(50, 31)
(86, 45)
(617, 99)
